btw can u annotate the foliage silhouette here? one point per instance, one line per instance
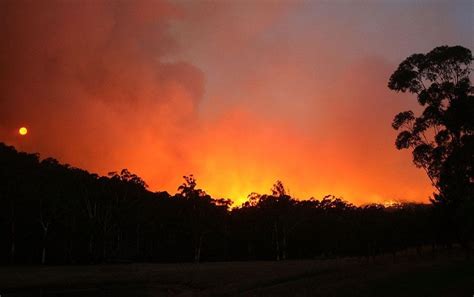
(442, 136)
(57, 214)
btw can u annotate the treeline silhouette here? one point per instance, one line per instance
(57, 214)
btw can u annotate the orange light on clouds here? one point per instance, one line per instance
(272, 97)
(23, 131)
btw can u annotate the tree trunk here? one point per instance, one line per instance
(197, 250)
(104, 245)
(12, 246)
(68, 256)
(91, 248)
(45, 225)
(467, 249)
(418, 250)
(249, 250)
(13, 234)
(104, 250)
(118, 246)
(70, 244)
(43, 252)
(138, 241)
(277, 242)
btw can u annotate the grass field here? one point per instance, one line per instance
(444, 276)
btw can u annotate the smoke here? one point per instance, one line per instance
(297, 91)
(91, 81)
(240, 93)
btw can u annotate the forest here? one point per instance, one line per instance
(57, 214)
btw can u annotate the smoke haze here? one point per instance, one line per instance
(240, 93)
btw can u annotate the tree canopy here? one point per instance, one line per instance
(55, 213)
(442, 135)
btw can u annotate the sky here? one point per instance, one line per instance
(239, 93)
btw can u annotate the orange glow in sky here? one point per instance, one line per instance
(238, 93)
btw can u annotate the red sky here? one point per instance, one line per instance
(239, 93)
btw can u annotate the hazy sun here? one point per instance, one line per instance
(23, 131)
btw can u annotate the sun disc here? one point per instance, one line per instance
(23, 131)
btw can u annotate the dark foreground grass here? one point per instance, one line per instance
(453, 278)
(444, 276)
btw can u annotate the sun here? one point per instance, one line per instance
(23, 131)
